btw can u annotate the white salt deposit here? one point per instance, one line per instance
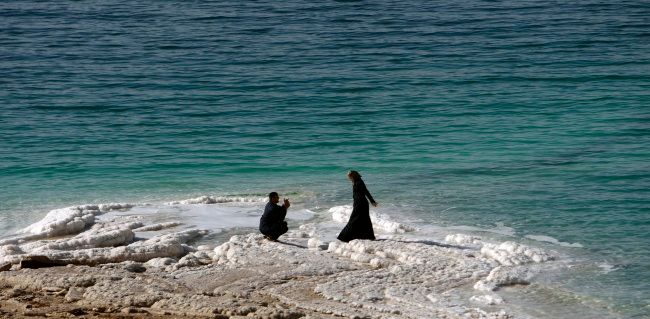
(69, 220)
(93, 241)
(383, 279)
(510, 253)
(194, 259)
(157, 227)
(462, 239)
(506, 253)
(160, 262)
(315, 243)
(204, 248)
(512, 258)
(100, 235)
(381, 222)
(64, 221)
(168, 245)
(410, 279)
(505, 276)
(10, 249)
(393, 278)
(489, 300)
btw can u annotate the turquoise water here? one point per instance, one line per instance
(533, 115)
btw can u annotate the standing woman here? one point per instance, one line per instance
(359, 226)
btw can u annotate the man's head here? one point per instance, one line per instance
(274, 197)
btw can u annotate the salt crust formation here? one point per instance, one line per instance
(382, 222)
(386, 278)
(512, 262)
(94, 243)
(64, 221)
(378, 279)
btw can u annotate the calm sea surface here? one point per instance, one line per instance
(528, 114)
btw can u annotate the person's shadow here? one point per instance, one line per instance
(290, 244)
(427, 242)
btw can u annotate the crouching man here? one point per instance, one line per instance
(272, 223)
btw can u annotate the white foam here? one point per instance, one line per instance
(607, 268)
(218, 199)
(500, 228)
(159, 226)
(382, 222)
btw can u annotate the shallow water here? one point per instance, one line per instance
(524, 115)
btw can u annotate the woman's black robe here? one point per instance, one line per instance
(359, 226)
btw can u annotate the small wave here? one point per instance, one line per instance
(549, 239)
(218, 200)
(499, 229)
(607, 268)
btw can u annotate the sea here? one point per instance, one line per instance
(521, 119)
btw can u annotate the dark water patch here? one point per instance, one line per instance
(217, 18)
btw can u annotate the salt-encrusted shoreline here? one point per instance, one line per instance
(111, 271)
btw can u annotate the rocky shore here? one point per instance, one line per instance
(101, 269)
